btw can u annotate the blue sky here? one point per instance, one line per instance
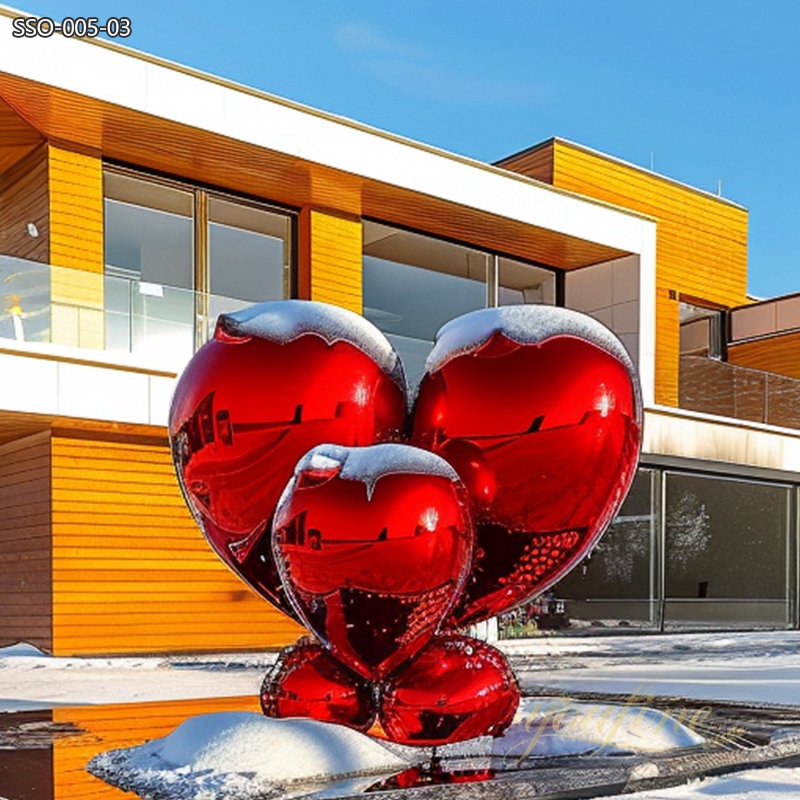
(707, 89)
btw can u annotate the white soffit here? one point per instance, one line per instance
(135, 82)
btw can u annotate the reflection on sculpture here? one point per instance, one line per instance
(384, 533)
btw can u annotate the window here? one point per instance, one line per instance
(618, 585)
(248, 256)
(149, 273)
(177, 256)
(727, 552)
(701, 331)
(414, 284)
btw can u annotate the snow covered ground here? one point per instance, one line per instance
(748, 667)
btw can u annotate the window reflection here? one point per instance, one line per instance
(727, 557)
(617, 585)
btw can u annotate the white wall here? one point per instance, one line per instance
(609, 292)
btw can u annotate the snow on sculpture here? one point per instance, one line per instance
(385, 532)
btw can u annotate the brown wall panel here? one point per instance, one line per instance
(132, 571)
(17, 137)
(23, 199)
(25, 566)
(778, 354)
(535, 162)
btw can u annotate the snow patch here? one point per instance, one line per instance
(530, 324)
(369, 464)
(756, 784)
(242, 755)
(283, 321)
(22, 649)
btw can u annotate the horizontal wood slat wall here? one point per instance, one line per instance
(330, 258)
(24, 199)
(76, 209)
(701, 241)
(778, 354)
(131, 570)
(25, 541)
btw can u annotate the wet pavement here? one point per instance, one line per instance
(43, 754)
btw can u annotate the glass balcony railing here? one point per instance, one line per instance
(723, 389)
(114, 312)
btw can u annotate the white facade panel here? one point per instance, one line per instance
(99, 393)
(27, 384)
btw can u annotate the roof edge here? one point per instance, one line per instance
(622, 162)
(130, 52)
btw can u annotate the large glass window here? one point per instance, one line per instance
(178, 256)
(727, 552)
(524, 283)
(149, 275)
(248, 256)
(617, 586)
(414, 284)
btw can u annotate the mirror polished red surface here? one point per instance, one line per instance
(457, 688)
(373, 545)
(308, 681)
(247, 407)
(545, 436)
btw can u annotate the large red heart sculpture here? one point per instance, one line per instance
(276, 379)
(373, 546)
(455, 689)
(308, 681)
(538, 409)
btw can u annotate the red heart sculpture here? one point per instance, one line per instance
(373, 546)
(455, 689)
(308, 682)
(276, 379)
(539, 411)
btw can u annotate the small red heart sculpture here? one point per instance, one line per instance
(457, 688)
(276, 379)
(538, 409)
(373, 546)
(308, 682)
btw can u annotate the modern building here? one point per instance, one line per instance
(138, 199)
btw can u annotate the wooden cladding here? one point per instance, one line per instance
(25, 541)
(701, 240)
(24, 201)
(17, 138)
(535, 162)
(779, 354)
(131, 570)
(329, 259)
(76, 210)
